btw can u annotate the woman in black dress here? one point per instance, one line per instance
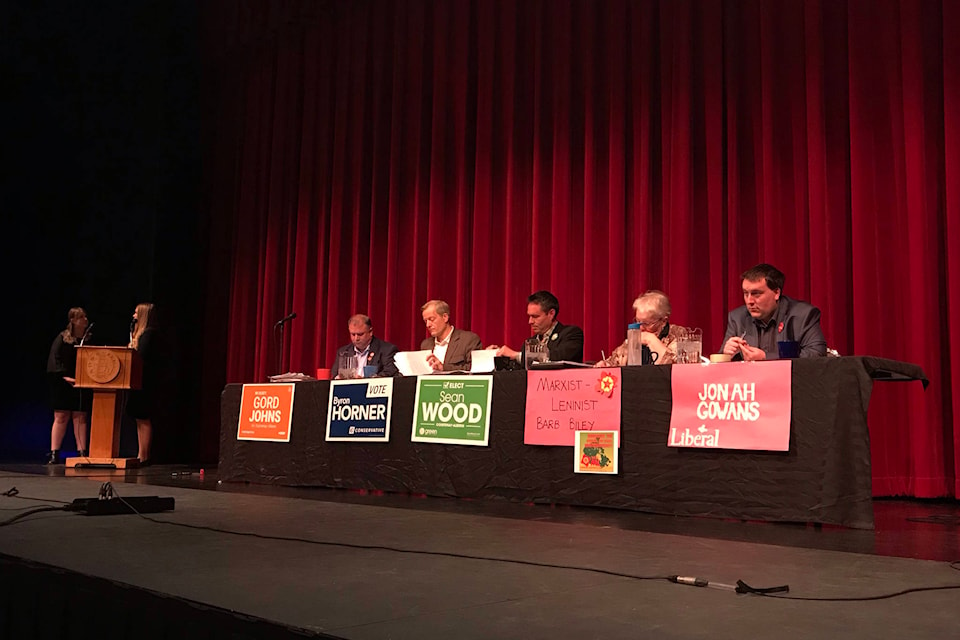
(64, 398)
(141, 403)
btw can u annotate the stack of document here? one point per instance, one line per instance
(414, 363)
(290, 377)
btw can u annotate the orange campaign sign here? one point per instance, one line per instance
(735, 405)
(266, 412)
(561, 403)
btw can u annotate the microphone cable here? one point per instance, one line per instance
(741, 587)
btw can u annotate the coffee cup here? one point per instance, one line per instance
(323, 374)
(720, 357)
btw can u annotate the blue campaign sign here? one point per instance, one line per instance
(359, 410)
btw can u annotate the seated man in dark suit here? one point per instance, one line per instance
(768, 317)
(450, 347)
(369, 350)
(564, 342)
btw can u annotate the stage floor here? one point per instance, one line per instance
(389, 566)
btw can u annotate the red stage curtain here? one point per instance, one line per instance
(367, 156)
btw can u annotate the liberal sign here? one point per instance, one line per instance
(452, 409)
(359, 410)
(736, 405)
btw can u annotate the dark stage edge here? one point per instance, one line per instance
(130, 575)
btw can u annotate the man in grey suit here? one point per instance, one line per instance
(449, 347)
(768, 317)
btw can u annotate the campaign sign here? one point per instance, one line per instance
(359, 410)
(564, 401)
(739, 405)
(452, 409)
(266, 411)
(596, 452)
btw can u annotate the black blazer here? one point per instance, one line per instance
(566, 343)
(380, 355)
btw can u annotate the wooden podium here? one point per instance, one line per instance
(106, 370)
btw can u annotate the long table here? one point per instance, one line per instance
(823, 478)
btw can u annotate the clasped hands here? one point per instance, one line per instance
(750, 354)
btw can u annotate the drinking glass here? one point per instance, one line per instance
(694, 345)
(534, 351)
(348, 366)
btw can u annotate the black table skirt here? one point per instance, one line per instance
(824, 477)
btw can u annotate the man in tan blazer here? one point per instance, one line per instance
(450, 347)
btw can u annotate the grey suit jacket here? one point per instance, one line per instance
(462, 342)
(793, 320)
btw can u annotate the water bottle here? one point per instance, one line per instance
(634, 344)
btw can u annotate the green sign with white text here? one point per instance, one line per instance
(452, 409)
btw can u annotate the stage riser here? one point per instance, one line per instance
(40, 601)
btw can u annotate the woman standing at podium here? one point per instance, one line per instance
(66, 400)
(140, 404)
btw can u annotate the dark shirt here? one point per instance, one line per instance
(63, 356)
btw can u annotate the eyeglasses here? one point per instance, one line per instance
(650, 323)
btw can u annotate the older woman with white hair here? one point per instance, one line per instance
(657, 334)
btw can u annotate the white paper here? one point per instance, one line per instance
(481, 361)
(290, 377)
(413, 363)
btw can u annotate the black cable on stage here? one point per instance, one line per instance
(883, 596)
(34, 510)
(115, 476)
(350, 545)
(741, 587)
(12, 492)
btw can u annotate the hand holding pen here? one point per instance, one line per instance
(735, 344)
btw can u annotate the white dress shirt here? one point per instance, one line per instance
(440, 345)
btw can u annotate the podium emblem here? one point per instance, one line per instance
(103, 366)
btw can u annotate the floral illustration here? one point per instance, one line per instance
(606, 384)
